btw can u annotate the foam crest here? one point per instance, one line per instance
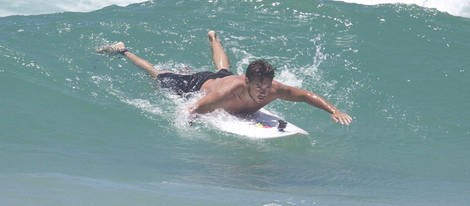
(453, 7)
(35, 7)
(289, 78)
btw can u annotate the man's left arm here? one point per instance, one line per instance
(299, 95)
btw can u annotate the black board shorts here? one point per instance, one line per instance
(182, 84)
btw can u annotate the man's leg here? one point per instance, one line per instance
(139, 62)
(221, 60)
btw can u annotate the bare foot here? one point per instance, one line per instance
(212, 35)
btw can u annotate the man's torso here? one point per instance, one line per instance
(235, 99)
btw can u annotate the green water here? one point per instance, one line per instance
(79, 128)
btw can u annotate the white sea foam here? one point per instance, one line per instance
(453, 7)
(35, 7)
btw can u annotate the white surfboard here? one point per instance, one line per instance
(260, 125)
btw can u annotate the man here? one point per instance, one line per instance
(233, 93)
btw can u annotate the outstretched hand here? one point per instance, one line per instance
(341, 117)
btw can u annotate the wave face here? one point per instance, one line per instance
(453, 7)
(79, 128)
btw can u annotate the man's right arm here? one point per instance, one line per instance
(206, 104)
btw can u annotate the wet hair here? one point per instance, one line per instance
(259, 70)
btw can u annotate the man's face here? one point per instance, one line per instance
(259, 90)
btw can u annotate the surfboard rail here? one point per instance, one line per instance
(260, 125)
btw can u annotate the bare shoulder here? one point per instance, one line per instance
(278, 87)
(283, 91)
(277, 84)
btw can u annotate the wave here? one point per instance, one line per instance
(36, 7)
(453, 7)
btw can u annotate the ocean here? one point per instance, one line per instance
(81, 128)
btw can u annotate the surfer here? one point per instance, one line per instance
(236, 94)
